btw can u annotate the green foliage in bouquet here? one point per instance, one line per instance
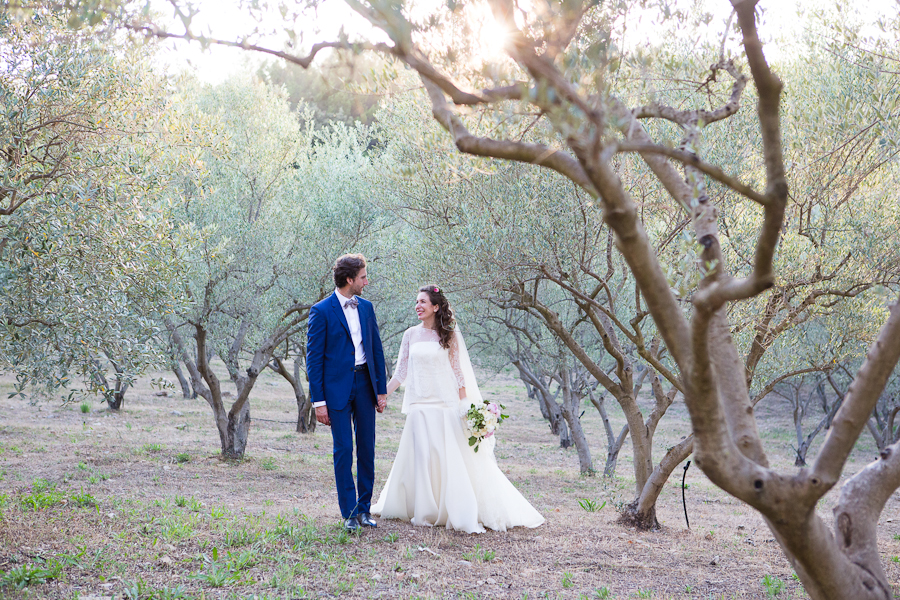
(483, 420)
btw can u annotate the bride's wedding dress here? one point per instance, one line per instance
(437, 478)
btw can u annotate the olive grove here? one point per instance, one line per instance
(746, 202)
(568, 73)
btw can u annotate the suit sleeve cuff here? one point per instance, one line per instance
(318, 404)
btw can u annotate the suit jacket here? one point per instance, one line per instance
(330, 354)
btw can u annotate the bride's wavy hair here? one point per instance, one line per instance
(443, 320)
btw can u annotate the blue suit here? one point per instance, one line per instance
(351, 396)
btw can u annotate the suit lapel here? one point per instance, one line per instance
(339, 313)
(363, 319)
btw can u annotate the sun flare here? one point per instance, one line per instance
(491, 36)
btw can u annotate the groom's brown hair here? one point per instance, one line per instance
(347, 267)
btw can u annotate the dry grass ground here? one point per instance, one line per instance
(137, 504)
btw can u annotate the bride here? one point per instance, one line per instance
(437, 478)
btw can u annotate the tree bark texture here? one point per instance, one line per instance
(236, 430)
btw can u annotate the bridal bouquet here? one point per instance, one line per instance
(482, 421)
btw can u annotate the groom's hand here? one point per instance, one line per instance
(382, 402)
(322, 415)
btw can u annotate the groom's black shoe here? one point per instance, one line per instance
(366, 520)
(351, 524)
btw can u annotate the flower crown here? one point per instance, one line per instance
(437, 290)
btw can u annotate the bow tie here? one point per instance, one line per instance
(352, 302)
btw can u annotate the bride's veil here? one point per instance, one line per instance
(473, 396)
(472, 391)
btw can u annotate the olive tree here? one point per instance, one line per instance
(88, 250)
(277, 203)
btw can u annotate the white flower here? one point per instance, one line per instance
(482, 421)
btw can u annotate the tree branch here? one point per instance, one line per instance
(861, 399)
(538, 154)
(692, 160)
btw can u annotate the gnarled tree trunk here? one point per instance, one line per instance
(233, 425)
(613, 442)
(306, 416)
(570, 408)
(114, 396)
(539, 389)
(234, 429)
(186, 390)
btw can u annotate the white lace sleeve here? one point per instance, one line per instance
(454, 361)
(400, 370)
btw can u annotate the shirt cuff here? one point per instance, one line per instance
(318, 404)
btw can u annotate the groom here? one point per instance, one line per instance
(347, 383)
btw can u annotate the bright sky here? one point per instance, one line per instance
(225, 20)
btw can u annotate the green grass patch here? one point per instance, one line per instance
(240, 536)
(175, 529)
(43, 495)
(479, 554)
(82, 499)
(31, 574)
(773, 585)
(228, 571)
(591, 505)
(139, 590)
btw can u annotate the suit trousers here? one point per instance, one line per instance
(358, 416)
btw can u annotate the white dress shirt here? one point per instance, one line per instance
(352, 315)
